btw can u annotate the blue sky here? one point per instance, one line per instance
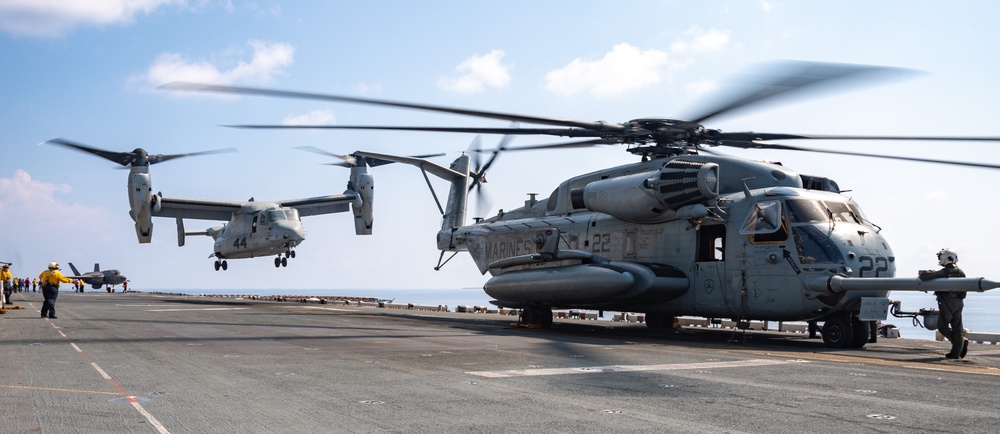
(88, 71)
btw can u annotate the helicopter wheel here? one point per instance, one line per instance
(544, 316)
(838, 332)
(284, 262)
(218, 265)
(277, 262)
(225, 265)
(860, 330)
(656, 320)
(528, 315)
(290, 254)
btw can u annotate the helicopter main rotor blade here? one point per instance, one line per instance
(241, 90)
(564, 132)
(751, 136)
(758, 145)
(583, 144)
(784, 79)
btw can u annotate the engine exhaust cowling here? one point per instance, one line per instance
(651, 197)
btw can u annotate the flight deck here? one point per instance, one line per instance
(142, 362)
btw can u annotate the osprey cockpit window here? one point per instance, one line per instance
(764, 223)
(276, 215)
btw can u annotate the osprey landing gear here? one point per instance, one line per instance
(282, 261)
(221, 264)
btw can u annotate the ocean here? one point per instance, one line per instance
(978, 315)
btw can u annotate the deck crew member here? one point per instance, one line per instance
(51, 279)
(950, 304)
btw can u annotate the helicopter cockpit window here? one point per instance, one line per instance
(764, 218)
(842, 213)
(276, 215)
(814, 246)
(764, 223)
(806, 211)
(292, 214)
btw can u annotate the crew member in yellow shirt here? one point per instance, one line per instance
(5, 277)
(51, 279)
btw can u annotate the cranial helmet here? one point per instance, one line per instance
(53, 265)
(947, 256)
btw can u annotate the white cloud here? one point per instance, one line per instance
(315, 117)
(267, 60)
(701, 87)
(477, 72)
(765, 5)
(697, 40)
(31, 207)
(625, 68)
(53, 18)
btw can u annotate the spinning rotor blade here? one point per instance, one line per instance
(565, 132)
(784, 79)
(349, 161)
(122, 158)
(751, 136)
(583, 144)
(758, 145)
(137, 157)
(159, 158)
(352, 161)
(198, 87)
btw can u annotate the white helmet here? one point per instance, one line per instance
(947, 257)
(53, 265)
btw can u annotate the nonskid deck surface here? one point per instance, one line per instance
(139, 362)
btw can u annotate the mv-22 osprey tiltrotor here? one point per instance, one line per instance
(254, 228)
(679, 233)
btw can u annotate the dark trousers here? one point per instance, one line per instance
(950, 323)
(50, 292)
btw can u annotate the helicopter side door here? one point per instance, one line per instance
(709, 272)
(767, 277)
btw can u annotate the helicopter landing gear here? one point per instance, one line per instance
(221, 264)
(536, 315)
(846, 331)
(656, 320)
(838, 331)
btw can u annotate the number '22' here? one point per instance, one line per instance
(873, 266)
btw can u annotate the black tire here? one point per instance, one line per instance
(225, 265)
(545, 317)
(277, 262)
(837, 332)
(218, 265)
(659, 321)
(529, 315)
(861, 333)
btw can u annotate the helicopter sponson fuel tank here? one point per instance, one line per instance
(578, 278)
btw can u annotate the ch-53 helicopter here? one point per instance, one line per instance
(685, 231)
(254, 228)
(98, 278)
